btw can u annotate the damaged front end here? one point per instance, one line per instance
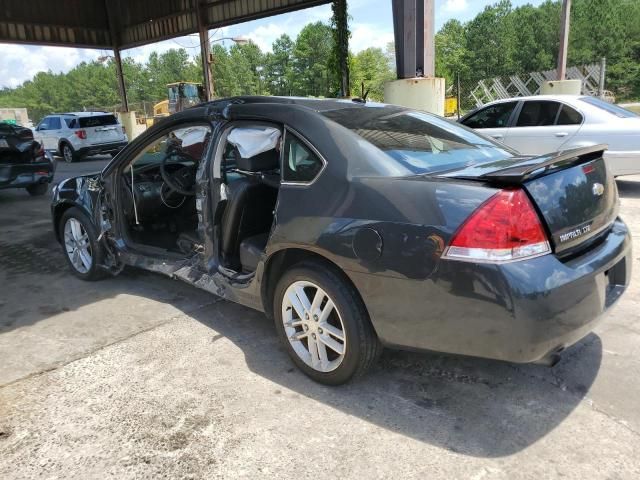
(88, 194)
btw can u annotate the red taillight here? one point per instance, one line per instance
(81, 134)
(504, 228)
(587, 169)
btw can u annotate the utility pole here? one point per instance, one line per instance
(603, 69)
(564, 39)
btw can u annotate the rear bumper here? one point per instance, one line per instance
(518, 312)
(623, 162)
(101, 148)
(18, 175)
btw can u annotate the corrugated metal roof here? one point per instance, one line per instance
(85, 23)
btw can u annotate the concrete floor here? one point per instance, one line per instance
(142, 376)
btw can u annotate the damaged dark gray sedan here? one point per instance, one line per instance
(357, 226)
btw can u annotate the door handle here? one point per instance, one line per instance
(497, 136)
(561, 134)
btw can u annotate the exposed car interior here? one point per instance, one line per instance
(158, 191)
(159, 197)
(251, 178)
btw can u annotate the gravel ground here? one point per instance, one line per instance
(141, 376)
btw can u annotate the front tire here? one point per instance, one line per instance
(80, 245)
(37, 189)
(323, 324)
(68, 154)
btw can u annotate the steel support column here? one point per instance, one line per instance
(121, 86)
(115, 41)
(205, 52)
(413, 25)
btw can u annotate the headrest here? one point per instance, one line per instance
(262, 162)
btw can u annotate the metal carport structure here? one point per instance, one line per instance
(121, 24)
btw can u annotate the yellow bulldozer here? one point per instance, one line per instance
(180, 96)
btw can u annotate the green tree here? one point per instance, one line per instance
(311, 59)
(279, 66)
(339, 59)
(491, 42)
(371, 67)
(536, 31)
(243, 75)
(451, 51)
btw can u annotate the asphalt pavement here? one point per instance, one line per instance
(141, 376)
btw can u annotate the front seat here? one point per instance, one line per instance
(250, 206)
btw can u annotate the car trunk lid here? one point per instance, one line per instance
(573, 191)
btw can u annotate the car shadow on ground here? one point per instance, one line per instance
(35, 278)
(628, 188)
(471, 406)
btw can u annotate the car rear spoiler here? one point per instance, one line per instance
(544, 164)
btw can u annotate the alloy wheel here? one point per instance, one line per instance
(78, 245)
(67, 154)
(313, 325)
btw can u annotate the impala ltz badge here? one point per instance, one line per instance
(597, 189)
(578, 232)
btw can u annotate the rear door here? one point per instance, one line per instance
(101, 129)
(543, 126)
(492, 120)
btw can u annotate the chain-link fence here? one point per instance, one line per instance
(466, 94)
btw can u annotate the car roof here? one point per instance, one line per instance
(316, 104)
(80, 114)
(558, 98)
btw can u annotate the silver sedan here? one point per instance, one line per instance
(548, 123)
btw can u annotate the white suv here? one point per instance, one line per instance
(78, 134)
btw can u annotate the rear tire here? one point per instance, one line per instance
(315, 338)
(67, 153)
(37, 189)
(80, 245)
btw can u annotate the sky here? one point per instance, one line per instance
(371, 26)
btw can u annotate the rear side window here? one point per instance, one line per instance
(413, 143)
(54, 123)
(538, 114)
(71, 122)
(98, 121)
(493, 116)
(301, 165)
(569, 116)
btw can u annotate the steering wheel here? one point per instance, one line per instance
(183, 180)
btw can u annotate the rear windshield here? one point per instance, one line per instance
(609, 107)
(98, 121)
(418, 143)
